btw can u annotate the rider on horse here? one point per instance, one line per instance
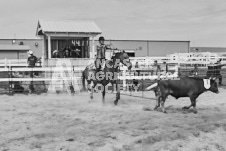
(101, 51)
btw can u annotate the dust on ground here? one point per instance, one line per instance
(51, 122)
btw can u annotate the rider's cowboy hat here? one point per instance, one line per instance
(101, 38)
(30, 52)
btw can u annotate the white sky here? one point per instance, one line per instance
(203, 22)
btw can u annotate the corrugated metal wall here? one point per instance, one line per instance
(163, 48)
(30, 42)
(140, 47)
(151, 48)
(9, 54)
(13, 54)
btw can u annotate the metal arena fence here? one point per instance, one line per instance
(18, 80)
(45, 79)
(60, 79)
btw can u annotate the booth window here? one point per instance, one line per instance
(69, 48)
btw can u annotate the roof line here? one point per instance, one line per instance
(73, 32)
(20, 39)
(69, 20)
(208, 47)
(150, 40)
(111, 40)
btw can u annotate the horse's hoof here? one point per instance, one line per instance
(185, 108)
(156, 108)
(115, 102)
(195, 111)
(164, 112)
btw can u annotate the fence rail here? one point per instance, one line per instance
(72, 75)
(125, 74)
(143, 62)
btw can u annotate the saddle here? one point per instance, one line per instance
(93, 67)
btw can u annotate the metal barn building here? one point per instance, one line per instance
(136, 48)
(54, 35)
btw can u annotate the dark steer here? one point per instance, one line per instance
(190, 87)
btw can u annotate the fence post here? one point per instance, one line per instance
(146, 62)
(72, 78)
(10, 81)
(124, 79)
(5, 62)
(142, 87)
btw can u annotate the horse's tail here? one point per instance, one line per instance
(83, 79)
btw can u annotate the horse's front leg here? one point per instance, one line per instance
(112, 83)
(117, 94)
(91, 89)
(103, 96)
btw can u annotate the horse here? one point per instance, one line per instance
(111, 68)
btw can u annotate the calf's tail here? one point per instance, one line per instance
(151, 87)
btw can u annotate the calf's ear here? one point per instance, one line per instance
(213, 78)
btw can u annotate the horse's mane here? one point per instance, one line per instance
(116, 55)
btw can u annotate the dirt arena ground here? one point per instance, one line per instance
(51, 122)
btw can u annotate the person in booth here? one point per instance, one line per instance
(56, 54)
(75, 53)
(67, 54)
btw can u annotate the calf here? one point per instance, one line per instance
(190, 87)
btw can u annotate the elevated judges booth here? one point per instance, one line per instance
(67, 39)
